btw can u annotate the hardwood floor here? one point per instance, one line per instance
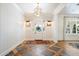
(37, 48)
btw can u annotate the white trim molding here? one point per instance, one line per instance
(10, 49)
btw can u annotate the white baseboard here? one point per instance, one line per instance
(7, 51)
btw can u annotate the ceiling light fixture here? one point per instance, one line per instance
(37, 10)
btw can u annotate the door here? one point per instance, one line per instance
(71, 31)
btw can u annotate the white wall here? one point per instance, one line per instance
(70, 36)
(60, 27)
(11, 27)
(70, 9)
(47, 34)
(61, 32)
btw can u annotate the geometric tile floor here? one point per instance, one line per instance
(37, 48)
(34, 49)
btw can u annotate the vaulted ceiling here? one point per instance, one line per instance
(45, 7)
(71, 8)
(50, 7)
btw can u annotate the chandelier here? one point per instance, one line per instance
(37, 10)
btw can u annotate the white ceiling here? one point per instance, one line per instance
(70, 8)
(45, 7)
